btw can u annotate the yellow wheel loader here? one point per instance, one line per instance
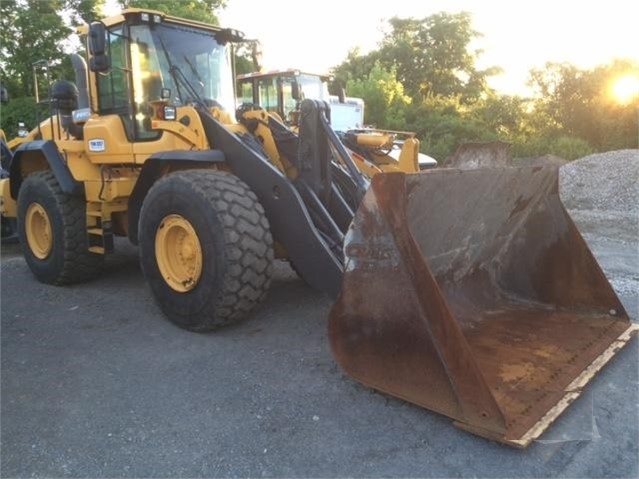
(374, 150)
(470, 293)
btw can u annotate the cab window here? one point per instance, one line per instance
(113, 89)
(289, 103)
(148, 81)
(268, 94)
(245, 92)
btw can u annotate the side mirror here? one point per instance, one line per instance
(229, 35)
(97, 39)
(296, 91)
(100, 61)
(336, 87)
(341, 95)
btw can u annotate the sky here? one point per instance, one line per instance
(517, 36)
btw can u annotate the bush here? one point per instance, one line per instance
(442, 126)
(17, 110)
(567, 147)
(570, 148)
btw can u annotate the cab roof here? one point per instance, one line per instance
(284, 72)
(155, 16)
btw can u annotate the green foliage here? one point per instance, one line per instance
(433, 56)
(243, 65)
(18, 109)
(423, 78)
(579, 103)
(383, 96)
(200, 10)
(31, 30)
(570, 148)
(502, 114)
(356, 66)
(244, 59)
(449, 102)
(442, 124)
(566, 147)
(83, 11)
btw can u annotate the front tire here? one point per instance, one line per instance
(53, 234)
(205, 248)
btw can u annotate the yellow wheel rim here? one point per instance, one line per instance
(38, 230)
(178, 253)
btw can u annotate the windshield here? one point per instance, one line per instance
(196, 54)
(313, 87)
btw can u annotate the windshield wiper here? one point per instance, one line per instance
(179, 77)
(194, 70)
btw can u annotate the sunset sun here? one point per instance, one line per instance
(626, 88)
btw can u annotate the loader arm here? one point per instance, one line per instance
(291, 222)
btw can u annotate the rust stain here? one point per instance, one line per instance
(516, 372)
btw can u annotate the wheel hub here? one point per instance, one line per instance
(38, 231)
(178, 253)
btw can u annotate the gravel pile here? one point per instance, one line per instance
(602, 182)
(601, 193)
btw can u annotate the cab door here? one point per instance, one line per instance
(108, 135)
(149, 77)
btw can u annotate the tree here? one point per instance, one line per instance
(383, 96)
(577, 103)
(83, 11)
(357, 66)
(433, 56)
(243, 62)
(38, 25)
(18, 110)
(423, 78)
(443, 124)
(502, 114)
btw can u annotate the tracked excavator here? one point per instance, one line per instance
(467, 292)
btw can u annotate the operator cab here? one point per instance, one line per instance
(281, 91)
(144, 60)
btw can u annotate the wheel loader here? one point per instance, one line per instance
(374, 150)
(467, 292)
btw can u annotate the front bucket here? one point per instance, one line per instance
(472, 293)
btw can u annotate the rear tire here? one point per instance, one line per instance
(53, 234)
(206, 249)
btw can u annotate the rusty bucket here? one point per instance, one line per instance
(471, 293)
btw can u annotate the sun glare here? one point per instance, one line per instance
(626, 88)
